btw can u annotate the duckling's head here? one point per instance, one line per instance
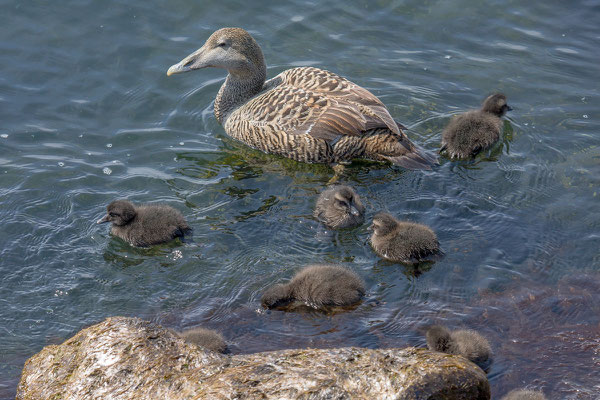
(275, 296)
(347, 201)
(438, 338)
(496, 104)
(383, 223)
(230, 48)
(119, 212)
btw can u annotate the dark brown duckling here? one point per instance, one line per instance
(469, 133)
(522, 394)
(340, 207)
(207, 338)
(145, 225)
(402, 241)
(317, 286)
(466, 343)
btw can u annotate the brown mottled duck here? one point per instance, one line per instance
(306, 114)
(477, 130)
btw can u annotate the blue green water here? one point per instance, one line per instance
(88, 115)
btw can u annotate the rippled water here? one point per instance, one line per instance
(88, 115)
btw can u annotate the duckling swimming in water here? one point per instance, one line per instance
(469, 133)
(466, 343)
(145, 225)
(340, 207)
(207, 338)
(521, 394)
(306, 114)
(318, 285)
(402, 241)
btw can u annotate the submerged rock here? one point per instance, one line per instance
(127, 358)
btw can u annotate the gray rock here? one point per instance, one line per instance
(127, 358)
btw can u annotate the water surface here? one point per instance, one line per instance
(89, 115)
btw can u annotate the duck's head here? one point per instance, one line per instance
(119, 212)
(230, 48)
(383, 223)
(496, 104)
(347, 201)
(275, 296)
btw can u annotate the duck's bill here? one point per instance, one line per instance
(190, 63)
(103, 219)
(354, 211)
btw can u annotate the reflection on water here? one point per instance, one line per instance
(87, 121)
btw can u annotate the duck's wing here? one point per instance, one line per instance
(319, 103)
(343, 91)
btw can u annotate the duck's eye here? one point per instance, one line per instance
(222, 44)
(342, 203)
(112, 214)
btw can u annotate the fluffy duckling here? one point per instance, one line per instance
(318, 286)
(466, 343)
(469, 133)
(340, 207)
(207, 338)
(145, 225)
(401, 241)
(521, 394)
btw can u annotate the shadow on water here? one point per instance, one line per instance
(413, 270)
(121, 254)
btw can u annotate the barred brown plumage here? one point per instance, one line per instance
(306, 113)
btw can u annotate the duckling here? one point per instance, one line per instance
(469, 133)
(207, 338)
(466, 343)
(145, 225)
(318, 285)
(340, 207)
(306, 113)
(401, 241)
(522, 394)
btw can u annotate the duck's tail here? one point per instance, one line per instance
(399, 150)
(417, 158)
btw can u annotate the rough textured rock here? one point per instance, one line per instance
(127, 358)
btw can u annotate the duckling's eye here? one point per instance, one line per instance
(222, 44)
(342, 203)
(112, 214)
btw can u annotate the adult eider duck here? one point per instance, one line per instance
(317, 286)
(306, 114)
(522, 394)
(145, 225)
(340, 207)
(464, 342)
(474, 131)
(402, 241)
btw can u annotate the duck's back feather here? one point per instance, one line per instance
(315, 109)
